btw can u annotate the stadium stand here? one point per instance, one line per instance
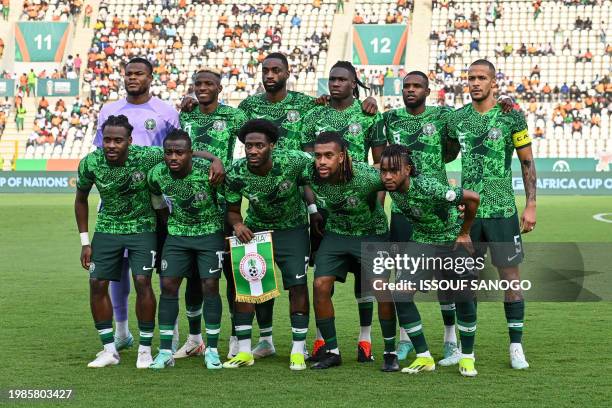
(383, 12)
(58, 10)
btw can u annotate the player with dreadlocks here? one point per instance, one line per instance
(430, 207)
(361, 132)
(349, 191)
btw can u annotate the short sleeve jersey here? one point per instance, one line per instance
(353, 206)
(431, 208)
(287, 114)
(123, 189)
(275, 201)
(487, 144)
(192, 201)
(361, 131)
(215, 132)
(424, 135)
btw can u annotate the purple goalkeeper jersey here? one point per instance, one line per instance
(152, 121)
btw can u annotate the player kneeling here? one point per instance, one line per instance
(431, 208)
(195, 237)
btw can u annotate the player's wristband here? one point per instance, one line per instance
(84, 238)
(312, 209)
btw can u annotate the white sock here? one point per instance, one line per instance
(175, 334)
(319, 335)
(146, 349)
(390, 352)
(471, 355)
(516, 346)
(364, 333)
(121, 329)
(298, 347)
(449, 334)
(213, 349)
(244, 346)
(334, 351)
(266, 338)
(404, 335)
(424, 354)
(110, 347)
(196, 338)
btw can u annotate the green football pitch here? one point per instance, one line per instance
(47, 335)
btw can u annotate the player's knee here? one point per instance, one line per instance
(322, 288)
(142, 284)
(210, 287)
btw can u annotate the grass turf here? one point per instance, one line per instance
(48, 335)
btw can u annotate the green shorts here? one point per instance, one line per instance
(107, 254)
(291, 253)
(185, 256)
(340, 254)
(502, 236)
(401, 228)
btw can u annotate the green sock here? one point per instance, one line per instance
(466, 323)
(515, 316)
(388, 332)
(105, 331)
(265, 314)
(193, 305)
(212, 319)
(448, 313)
(366, 310)
(146, 332)
(410, 320)
(166, 316)
(327, 327)
(194, 316)
(299, 326)
(244, 325)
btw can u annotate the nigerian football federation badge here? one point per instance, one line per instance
(495, 133)
(138, 177)
(219, 125)
(354, 128)
(352, 201)
(150, 124)
(293, 116)
(285, 185)
(201, 196)
(429, 129)
(416, 212)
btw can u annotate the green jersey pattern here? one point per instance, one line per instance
(360, 130)
(126, 200)
(287, 114)
(353, 207)
(192, 200)
(214, 132)
(487, 144)
(431, 207)
(423, 134)
(275, 201)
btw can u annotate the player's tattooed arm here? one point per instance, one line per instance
(450, 149)
(81, 212)
(217, 172)
(528, 219)
(234, 218)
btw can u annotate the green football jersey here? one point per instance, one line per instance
(487, 144)
(431, 207)
(287, 114)
(192, 201)
(214, 132)
(126, 200)
(360, 130)
(423, 134)
(275, 201)
(353, 207)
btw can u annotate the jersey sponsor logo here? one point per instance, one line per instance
(211, 271)
(100, 185)
(219, 125)
(355, 128)
(138, 177)
(495, 133)
(299, 276)
(451, 195)
(147, 268)
(150, 124)
(201, 196)
(429, 129)
(164, 265)
(253, 267)
(293, 116)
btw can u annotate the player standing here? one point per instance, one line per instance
(488, 139)
(430, 205)
(126, 222)
(270, 180)
(195, 242)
